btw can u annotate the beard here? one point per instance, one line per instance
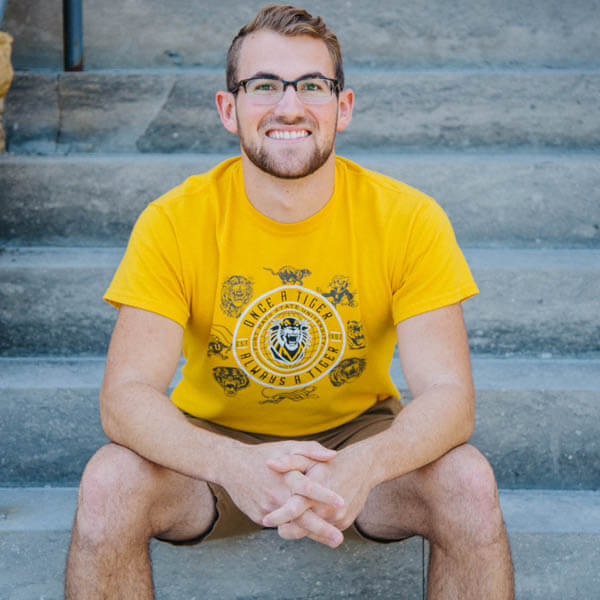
(287, 164)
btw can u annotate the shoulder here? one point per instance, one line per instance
(370, 191)
(199, 194)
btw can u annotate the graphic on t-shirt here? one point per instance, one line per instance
(339, 292)
(356, 336)
(289, 275)
(275, 397)
(235, 294)
(347, 370)
(219, 342)
(231, 379)
(288, 338)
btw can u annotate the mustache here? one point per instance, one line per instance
(270, 122)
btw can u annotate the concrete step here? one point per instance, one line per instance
(427, 33)
(554, 538)
(493, 199)
(536, 419)
(174, 111)
(531, 301)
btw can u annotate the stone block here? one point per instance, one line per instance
(493, 200)
(164, 112)
(535, 420)
(428, 33)
(531, 301)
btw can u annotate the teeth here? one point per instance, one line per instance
(287, 135)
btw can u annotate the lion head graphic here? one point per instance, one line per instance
(235, 294)
(288, 338)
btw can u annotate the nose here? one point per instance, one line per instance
(289, 104)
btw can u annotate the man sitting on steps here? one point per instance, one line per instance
(286, 276)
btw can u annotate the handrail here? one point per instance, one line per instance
(2, 7)
(73, 35)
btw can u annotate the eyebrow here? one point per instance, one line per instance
(268, 75)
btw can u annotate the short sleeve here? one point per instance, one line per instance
(431, 271)
(150, 275)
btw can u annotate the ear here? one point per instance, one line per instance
(345, 107)
(226, 107)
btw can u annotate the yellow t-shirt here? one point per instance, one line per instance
(289, 328)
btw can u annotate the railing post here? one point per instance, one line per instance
(2, 7)
(73, 34)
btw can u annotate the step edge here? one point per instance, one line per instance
(525, 511)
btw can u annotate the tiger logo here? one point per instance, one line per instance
(347, 370)
(219, 342)
(235, 294)
(289, 338)
(231, 379)
(339, 291)
(356, 335)
(293, 395)
(289, 275)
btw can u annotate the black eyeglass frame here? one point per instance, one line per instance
(335, 85)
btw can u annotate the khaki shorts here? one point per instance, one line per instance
(231, 521)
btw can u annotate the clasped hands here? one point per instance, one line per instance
(326, 492)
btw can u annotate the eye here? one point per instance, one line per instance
(313, 85)
(262, 86)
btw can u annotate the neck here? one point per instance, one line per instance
(288, 200)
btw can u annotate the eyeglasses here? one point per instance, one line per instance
(269, 89)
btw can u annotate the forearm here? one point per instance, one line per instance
(424, 430)
(141, 418)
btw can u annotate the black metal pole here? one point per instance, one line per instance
(73, 34)
(2, 7)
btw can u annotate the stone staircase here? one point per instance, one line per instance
(491, 109)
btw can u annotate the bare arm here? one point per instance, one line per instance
(142, 358)
(434, 353)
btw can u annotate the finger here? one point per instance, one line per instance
(291, 531)
(302, 485)
(290, 462)
(290, 511)
(314, 450)
(327, 512)
(320, 530)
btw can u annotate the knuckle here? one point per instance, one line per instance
(340, 515)
(328, 512)
(306, 488)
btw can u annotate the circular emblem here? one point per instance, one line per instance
(288, 338)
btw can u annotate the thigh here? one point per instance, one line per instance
(393, 510)
(431, 498)
(126, 491)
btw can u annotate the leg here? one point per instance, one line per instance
(124, 500)
(453, 502)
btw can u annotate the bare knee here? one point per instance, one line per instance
(114, 495)
(463, 497)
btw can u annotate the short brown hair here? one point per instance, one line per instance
(286, 20)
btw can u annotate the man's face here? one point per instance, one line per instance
(289, 139)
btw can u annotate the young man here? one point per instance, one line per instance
(286, 276)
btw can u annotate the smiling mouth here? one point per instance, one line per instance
(285, 134)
